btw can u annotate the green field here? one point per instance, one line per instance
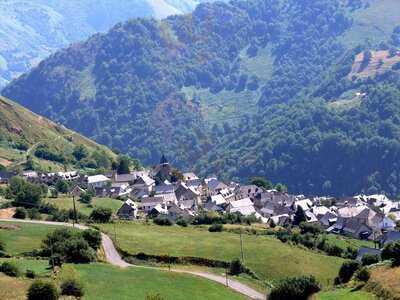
(65, 202)
(26, 238)
(102, 281)
(265, 255)
(344, 242)
(344, 294)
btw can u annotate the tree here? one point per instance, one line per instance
(20, 213)
(72, 287)
(42, 290)
(86, 197)
(261, 182)
(10, 269)
(80, 152)
(62, 186)
(299, 216)
(25, 194)
(295, 288)
(124, 163)
(281, 188)
(236, 267)
(392, 252)
(93, 237)
(347, 270)
(101, 215)
(369, 259)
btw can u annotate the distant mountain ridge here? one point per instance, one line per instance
(246, 88)
(32, 30)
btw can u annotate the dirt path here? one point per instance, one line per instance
(115, 259)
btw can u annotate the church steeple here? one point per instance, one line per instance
(163, 160)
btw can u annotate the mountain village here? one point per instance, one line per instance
(163, 191)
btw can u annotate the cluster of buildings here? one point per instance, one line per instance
(163, 190)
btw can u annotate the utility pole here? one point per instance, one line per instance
(52, 255)
(226, 276)
(241, 247)
(75, 220)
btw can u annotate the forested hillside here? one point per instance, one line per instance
(29, 141)
(302, 92)
(32, 30)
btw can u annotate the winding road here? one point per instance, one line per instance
(115, 259)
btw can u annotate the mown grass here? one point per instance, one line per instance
(65, 202)
(24, 239)
(107, 282)
(265, 255)
(102, 281)
(344, 294)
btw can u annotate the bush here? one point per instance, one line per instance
(67, 245)
(216, 228)
(40, 290)
(347, 270)
(10, 269)
(154, 297)
(314, 229)
(162, 221)
(236, 267)
(295, 288)
(93, 237)
(34, 214)
(30, 274)
(333, 250)
(362, 275)
(369, 259)
(2, 246)
(62, 186)
(392, 252)
(72, 287)
(101, 215)
(20, 213)
(182, 222)
(86, 197)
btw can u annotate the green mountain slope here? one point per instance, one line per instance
(239, 89)
(32, 30)
(22, 133)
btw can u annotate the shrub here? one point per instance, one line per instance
(295, 288)
(362, 275)
(392, 252)
(10, 269)
(93, 237)
(182, 222)
(30, 274)
(34, 214)
(216, 228)
(62, 186)
(20, 213)
(72, 287)
(101, 215)
(2, 246)
(162, 221)
(86, 197)
(347, 270)
(236, 267)
(369, 259)
(333, 250)
(314, 229)
(40, 290)
(154, 297)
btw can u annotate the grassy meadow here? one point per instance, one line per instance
(26, 237)
(265, 255)
(103, 282)
(65, 202)
(344, 294)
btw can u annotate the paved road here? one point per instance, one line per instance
(115, 259)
